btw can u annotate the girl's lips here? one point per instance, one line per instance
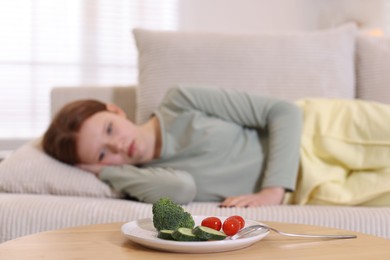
(131, 150)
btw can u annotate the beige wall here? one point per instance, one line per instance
(278, 15)
(368, 14)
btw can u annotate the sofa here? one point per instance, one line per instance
(38, 193)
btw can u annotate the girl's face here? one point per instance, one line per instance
(108, 138)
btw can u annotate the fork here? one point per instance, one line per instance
(253, 228)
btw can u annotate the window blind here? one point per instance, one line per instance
(47, 43)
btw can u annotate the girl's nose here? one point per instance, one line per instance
(115, 146)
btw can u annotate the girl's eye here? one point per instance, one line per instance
(109, 128)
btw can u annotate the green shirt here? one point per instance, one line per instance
(216, 143)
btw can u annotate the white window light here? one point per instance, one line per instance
(48, 43)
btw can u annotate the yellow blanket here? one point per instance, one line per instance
(345, 153)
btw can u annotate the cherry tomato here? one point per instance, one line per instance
(231, 226)
(240, 219)
(212, 222)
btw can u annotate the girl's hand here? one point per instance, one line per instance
(266, 197)
(92, 168)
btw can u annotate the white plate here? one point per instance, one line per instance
(143, 232)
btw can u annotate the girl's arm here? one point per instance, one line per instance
(150, 184)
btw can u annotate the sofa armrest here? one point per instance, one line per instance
(124, 97)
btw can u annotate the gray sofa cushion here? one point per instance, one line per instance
(290, 66)
(372, 68)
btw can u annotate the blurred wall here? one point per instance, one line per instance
(278, 15)
(368, 14)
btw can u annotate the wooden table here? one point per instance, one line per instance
(106, 241)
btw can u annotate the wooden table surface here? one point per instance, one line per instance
(105, 241)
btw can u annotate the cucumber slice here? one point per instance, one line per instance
(206, 233)
(184, 234)
(165, 234)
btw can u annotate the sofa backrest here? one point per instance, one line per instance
(373, 68)
(285, 65)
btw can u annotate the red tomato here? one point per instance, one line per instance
(240, 219)
(212, 222)
(231, 226)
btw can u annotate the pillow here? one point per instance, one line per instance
(30, 170)
(288, 66)
(373, 67)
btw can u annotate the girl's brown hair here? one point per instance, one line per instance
(60, 139)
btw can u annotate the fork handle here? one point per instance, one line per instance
(312, 235)
(318, 236)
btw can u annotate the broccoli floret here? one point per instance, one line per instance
(170, 216)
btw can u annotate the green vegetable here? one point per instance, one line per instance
(168, 215)
(165, 234)
(185, 234)
(206, 233)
